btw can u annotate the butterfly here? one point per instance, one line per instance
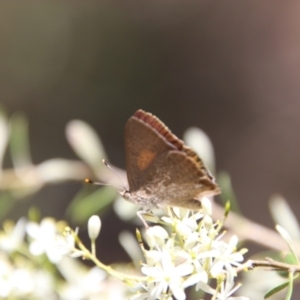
(161, 169)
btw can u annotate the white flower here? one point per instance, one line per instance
(44, 239)
(225, 292)
(65, 244)
(12, 236)
(226, 257)
(166, 275)
(184, 222)
(24, 283)
(81, 282)
(190, 255)
(6, 269)
(153, 257)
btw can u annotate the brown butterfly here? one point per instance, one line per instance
(161, 169)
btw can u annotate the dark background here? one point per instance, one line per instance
(231, 68)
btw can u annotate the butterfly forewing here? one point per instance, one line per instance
(142, 146)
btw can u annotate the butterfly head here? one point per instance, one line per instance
(139, 198)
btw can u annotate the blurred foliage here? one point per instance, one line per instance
(87, 203)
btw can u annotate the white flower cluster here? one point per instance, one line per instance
(33, 254)
(191, 253)
(189, 250)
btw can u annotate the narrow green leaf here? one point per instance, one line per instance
(276, 290)
(288, 259)
(291, 285)
(4, 134)
(227, 208)
(6, 204)
(84, 206)
(19, 141)
(224, 181)
(288, 239)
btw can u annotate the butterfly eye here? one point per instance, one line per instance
(126, 194)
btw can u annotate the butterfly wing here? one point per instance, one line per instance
(160, 164)
(176, 180)
(142, 146)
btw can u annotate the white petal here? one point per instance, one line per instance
(233, 241)
(206, 254)
(195, 278)
(156, 235)
(177, 291)
(184, 269)
(36, 248)
(54, 255)
(206, 206)
(237, 256)
(151, 271)
(217, 268)
(47, 228)
(183, 229)
(158, 289)
(33, 230)
(152, 257)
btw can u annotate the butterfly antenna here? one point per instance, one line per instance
(114, 171)
(122, 187)
(88, 180)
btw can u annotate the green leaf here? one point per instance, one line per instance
(227, 208)
(224, 181)
(4, 134)
(288, 239)
(289, 259)
(85, 205)
(19, 141)
(289, 284)
(34, 214)
(276, 290)
(6, 204)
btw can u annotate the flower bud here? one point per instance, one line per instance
(156, 235)
(94, 226)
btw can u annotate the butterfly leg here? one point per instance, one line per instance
(140, 214)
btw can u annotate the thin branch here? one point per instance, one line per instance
(269, 263)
